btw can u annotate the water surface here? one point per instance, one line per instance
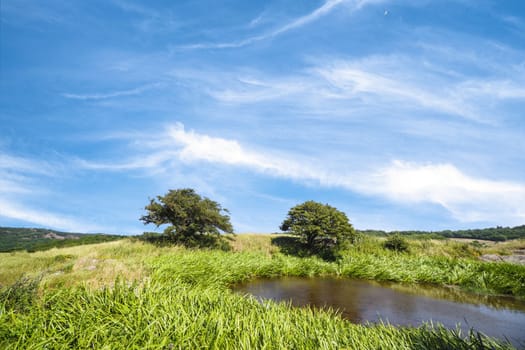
(364, 301)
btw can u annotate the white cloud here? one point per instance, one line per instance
(20, 182)
(135, 8)
(150, 161)
(500, 89)
(410, 87)
(252, 90)
(31, 11)
(375, 82)
(12, 183)
(325, 9)
(467, 198)
(180, 145)
(13, 210)
(319, 12)
(102, 96)
(198, 147)
(23, 165)
(15, 174)
(256, 21)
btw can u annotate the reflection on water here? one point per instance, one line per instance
(364, 301)
(453, 293)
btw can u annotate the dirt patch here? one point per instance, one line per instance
(89, 264)
(52, 235)
(470, 240)
(517, 257)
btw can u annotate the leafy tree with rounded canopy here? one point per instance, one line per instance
(319, 226)
(194, 220)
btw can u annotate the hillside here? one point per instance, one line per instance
(497, 234)
(35, 239)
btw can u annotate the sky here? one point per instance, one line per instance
(405, 114)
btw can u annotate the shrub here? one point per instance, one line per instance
(21, 295)
(396, 243)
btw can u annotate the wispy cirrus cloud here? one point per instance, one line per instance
(467, 198)
(19, 164)
(136, 8)
(14, 210)
(20, 183)
(350, 80)
(102, 96)
(319, 12)
(149, 20)
(406, 84)
(252, 90)
(27, 11)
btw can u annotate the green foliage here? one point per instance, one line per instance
(496, 234)
(477, 244)
(189, 241)
(36, 239)
(320, 227)
(465, 250)
(21, 295)
(396, 243)
(194, 220)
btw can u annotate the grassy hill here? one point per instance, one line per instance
(35, 239)
(497, 234)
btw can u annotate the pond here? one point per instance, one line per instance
(364, 301)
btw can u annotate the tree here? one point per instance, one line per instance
(319, 226)
(193, 219)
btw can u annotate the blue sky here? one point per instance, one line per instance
(406, 114)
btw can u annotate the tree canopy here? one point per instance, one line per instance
(318, 225)
(191, 216)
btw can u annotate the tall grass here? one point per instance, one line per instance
(178, 316)
(176, 298)
(224, 268)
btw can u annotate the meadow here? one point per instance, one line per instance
(134, 295)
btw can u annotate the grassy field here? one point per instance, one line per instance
(130, 294)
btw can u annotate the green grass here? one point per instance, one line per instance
(132, 295)
(175, 315)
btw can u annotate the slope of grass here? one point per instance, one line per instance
(35, 239)
(130, 294)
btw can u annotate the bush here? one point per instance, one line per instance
(396, 243)
(21, 295)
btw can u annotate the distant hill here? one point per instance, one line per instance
(497, 234)
(34, 239)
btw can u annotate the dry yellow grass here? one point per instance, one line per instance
(94, 265)
(253, 242)
(98, 265)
